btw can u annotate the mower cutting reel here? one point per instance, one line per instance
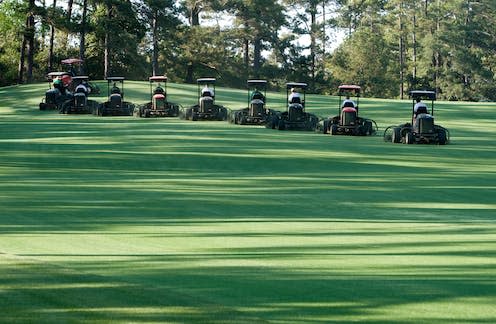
(347, 121)
(256, 112)
(206, 109)
(295, 117)
(421, 129)
(79, 102)
(115, 106)
(158, 106)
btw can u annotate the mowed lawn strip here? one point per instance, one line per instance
(124, 219)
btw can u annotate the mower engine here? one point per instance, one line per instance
(296, 112)
(80, 100)
(424, 124)
(158, 102)
(52, 96)
(206, 105)
(115, 101)
(256, 107)
(348, 116)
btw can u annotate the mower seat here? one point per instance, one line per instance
(421, 110)
(348, 104)
(295, 100)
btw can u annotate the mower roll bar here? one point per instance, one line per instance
(81, 78)
(299, 85)
(157, 78)
(352, 88)
(254, 83)
(206, 80)
(349, 88)
(422, 94)
(117, 78)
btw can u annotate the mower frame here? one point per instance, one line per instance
(412, 132)
(149, 110)
(212, 111)
(295, 116)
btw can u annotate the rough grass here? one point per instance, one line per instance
(119, 219)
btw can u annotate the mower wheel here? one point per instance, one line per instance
(368, 128)
(334, 129)
(222, 114)
(242, 120)
(441, 137)
(325, 127)
(409, 138)
(396, 137)
(281, 125)
(147, 113)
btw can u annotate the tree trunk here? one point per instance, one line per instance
(401, 51)
(155, 43)
(106, 55)
(106, 58)
(257, 56)
(82, 37)
(30, 41)
(20, 70)
(52, 36)
(69, 16)
(313, 40)
(194, 20)
(189, 73)
(414, 48)
(246, 51)
(194, 13)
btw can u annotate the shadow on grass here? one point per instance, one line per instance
(125, 219)
(284, 287)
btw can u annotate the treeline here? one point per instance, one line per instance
(390, 46)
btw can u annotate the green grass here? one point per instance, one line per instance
(119, 219)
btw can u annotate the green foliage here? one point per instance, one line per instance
(11, 26)
(447, 46)
(352, 63)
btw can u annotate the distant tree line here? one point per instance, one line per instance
(389, 48)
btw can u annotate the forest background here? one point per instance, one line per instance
(389, 47)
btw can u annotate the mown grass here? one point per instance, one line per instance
(119, 219)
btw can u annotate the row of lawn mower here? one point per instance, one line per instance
(421, 129)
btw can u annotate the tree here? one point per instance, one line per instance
(306, 22)
(352, 63)
(27, 45)
(258, 23)
(12, 24)
(118, 29)
(160, 18)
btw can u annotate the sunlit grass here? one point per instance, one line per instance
(121, 219)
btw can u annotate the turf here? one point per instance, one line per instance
(120, 219)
